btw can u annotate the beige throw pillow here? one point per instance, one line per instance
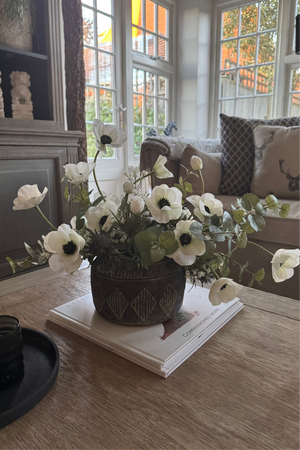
(211, 172)
(276, 166)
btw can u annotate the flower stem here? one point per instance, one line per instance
(202, 181)
(262, 248)
(45, 218)
(144, 176)
(213, 270)
(95, 177)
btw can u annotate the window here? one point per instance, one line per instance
(256, 69)
(99, 61)
(248, 50)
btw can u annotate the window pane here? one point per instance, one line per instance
(263, 107)
(162, 82)
(229, 55)
(106, 106)
(137, 40)
(247, 51)
(228, 84)
(246, 82)
(163, 49)
(138, 109)
(138, 139)
(150, 80)
(230, 22)
(227, 107)
(90, 103)
(89, 65)
(268, 15)
(161, 113)
(161, 131)
(162, 21)
(150, 111)
(136, 12)
(88, 2)
(150, 44)
(296, 80)
(150, 15)
(264, 79)
(249, 16)
(104, 5)
(244, 108)
(106, 70)
(267, 47)
(138, 80)
(295, 105)
(104, 31)
(91, 141)
(88, 26)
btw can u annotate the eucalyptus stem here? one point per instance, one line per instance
(45, 218)
(262, 248)
(202, 181)
(144, 176)
(95, 177)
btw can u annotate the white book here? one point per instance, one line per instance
(160, 348)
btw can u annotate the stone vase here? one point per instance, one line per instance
(139, 297)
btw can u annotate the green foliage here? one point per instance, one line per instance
(285, 209)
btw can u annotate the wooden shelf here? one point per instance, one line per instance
(10, 52)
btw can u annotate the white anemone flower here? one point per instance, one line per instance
(29, 196)
(189, 245)
(206, 206)
(78, 173)
(165, 203)
(160, 170)
(283, 264)
(101, 216)
(65, 245)
(108, 135)
(224, 290)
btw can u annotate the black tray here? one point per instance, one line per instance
(41, 361)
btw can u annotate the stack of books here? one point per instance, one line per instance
(159, 348)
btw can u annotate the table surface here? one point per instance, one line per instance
(239, 391)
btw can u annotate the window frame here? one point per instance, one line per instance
(285, 59)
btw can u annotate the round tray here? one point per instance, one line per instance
(41, 361)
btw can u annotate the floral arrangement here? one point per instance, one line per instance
(140, 229)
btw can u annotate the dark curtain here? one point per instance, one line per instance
(75, 75)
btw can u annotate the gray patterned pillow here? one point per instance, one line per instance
(238, 151)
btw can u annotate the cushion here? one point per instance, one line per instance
(211, 171)
(276, 166)
(238, 151)
(285, 232)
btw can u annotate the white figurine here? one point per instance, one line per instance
(1, 100)
(21, 95)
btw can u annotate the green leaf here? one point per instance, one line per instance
(12, 264)
(260, 222)
(210, 249)
(188, 187)
(259, 209)
(227, 222)
(144, 240)
(242, 240)
(260, 275)
(284, 211)
(242, 271)
(196, 229)
(180, 180)
(214, 220)
(30, 250)
(157, 253)
(271, 201)
(246, 204)
(155, 230)
(251, 198)
(146, 258)
(80, 224)
(66, 193)
(238, 215)
(247, 227)
(252, 223)
(251, 282)
(181, 188)
(217, 234)
(168, 241)
(224, 269)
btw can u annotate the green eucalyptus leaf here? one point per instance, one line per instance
(246, 204)
(157, 253)
(155, 230)
(169, 242)
(260, 275)
(30, 250)
(224, 269)
(271, 201)
(251, 198)
(252, 223)
(217, 235)
(181, 188)
(260, 222)
(259, 209)
(242, 240)
(80, 224)
(210, 249)
(196, 229)
(144, 240)
(247, 227)
(284, 211)
(188, 187)
(238, 215)
(227, 222)
(146, 258)
(214, 220)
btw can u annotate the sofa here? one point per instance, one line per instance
(278, 233)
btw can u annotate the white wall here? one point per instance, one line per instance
(193, 67)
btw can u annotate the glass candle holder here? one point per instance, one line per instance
(11, 351)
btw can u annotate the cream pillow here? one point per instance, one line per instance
(211, 172)
(276, 166)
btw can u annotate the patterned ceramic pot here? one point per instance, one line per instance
(139, 297)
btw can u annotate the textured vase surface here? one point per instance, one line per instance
(139, 297)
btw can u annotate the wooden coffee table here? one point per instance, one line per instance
(240, 390)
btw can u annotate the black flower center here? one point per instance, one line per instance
(105, 139)
(69, 248)
(163, 202)
(185, 239)
(207, 209)
(103, 220)
(223, 287)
